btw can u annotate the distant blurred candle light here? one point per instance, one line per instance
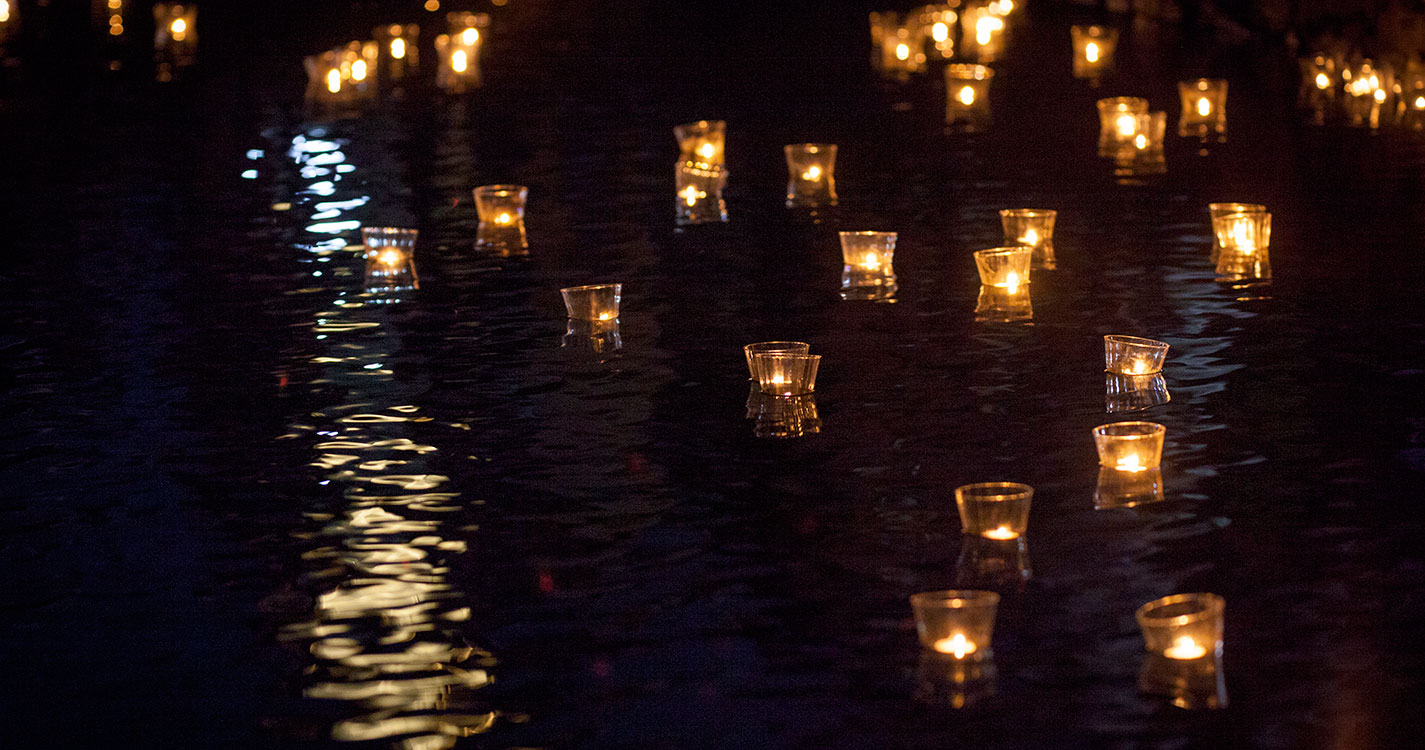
(967, 96)
(1118, 122)
(1093, 50)
(459, 52)
(868, 270)
(1033, 228)
(501, 212)
(994, 510)
(699, 194)
(599, 302)
(1204, 107)
(811, 174)
(702, 143)
(402, 49)
(1132, 355)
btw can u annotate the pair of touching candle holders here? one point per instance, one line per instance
(701, 173)
(783, 398)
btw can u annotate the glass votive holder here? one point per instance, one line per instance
(1183, 627)
(1204, 107)
(702, 143)
(994, 510)
(941, 680)
(699, 194)
(501, 212)
(597, 336)
(1093, 50)
(811, 174)
(458, 52)
(903, 50)
(592, 301)
(782, 374)
(1005, 268)
(983, 32)
(868, 270)
(1031, 227)
(771, 347)
(390, 268)
(1131, 355)
(1000, 305)
(1244, 231)
(967, 96)
(1318, 80)
(999, 565)
(1118, 122)
(1134, 392)
(1127, 489)
(939, 22)
(958, 623)
(783, 417)
(1130, 446)
(1193, 684)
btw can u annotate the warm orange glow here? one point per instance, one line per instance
(707, 150)
(178, 27)
(940, 32)
(1131, 463)
(1323, 81)
(469, 37)
(1127, 125)
(871, 262)
(1243, 235)
(504, 218)
(1137, 367)
(390, 257)
(432, 5)
(902, 52)
(985, 28)
(1204, 106)
(691, 195)
(358, 70)
(1000, 532)
(1140, 142)
(1010, 283)
(606, 316)
(1030, 237)
(1379, 95)
(116, 29)
(813, 173)
(967, 95)
(459, 62)
(1091, 52)
(398, 48)
(5, 10)
(957, 645)
(1420, 102)
(1184, 647)
(333, 80)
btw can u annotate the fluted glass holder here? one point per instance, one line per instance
(999, 305)
(1130, 446)
(1183, 627)
(1005, 268)
(967, 96)
(1204, 107)
(501, 212)
(390, 259)
(702, 143)
(958, 623)
(1219, 210)
(1093, 50)
(994, 510)
(811, 174)
(783, 374)
(770, 347)
(1244, 231)
(699, 194)
(868, 270)
(1031, 227)
(1000, 565)
(941, 680)
(1134, 392)
(1131, 355)
(1118, 122)
(593, 301)
(786, 416)
(1197, 684)
(1127, 489)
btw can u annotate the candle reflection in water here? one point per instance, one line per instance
(967, 96)
(595, 336)
(386, 632)
(868, 270)
(997, 304)
(1195, 684)
(784, 416)
(458, 52)
(1000, 565)
(699, 194)
(1127, 489)
(1134, 392)
(945, 681)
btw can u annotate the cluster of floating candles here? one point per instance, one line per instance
(902, 45)
(1362, 91)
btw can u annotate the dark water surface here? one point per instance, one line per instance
(247, 506)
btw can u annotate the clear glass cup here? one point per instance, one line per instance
(958, 623)
(782, 374)
(771, 347)
(967, 96)
(593, 301)
(1093, 50)
(999, 305)
(1131, 355)
(501, 212)
(1130, 446)
(868, 270)
(1031, 227)
(1118, 122)
(1005, 268)
(1204, 107)
(597, 336)
(702, 143)
(1244, 231)
(994, 510)
(1183, 626)
(811, 174)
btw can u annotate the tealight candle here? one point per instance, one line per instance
(1204, 107)
(593, 301)
(501, 212)
(769, 347)
(1246, 230)
(1031, 227)
(1134, 392)
(811, 174)
(702, 143)
(786, 416)
(390, 259)
(998, 304)
(402, 49)
(940, 22)
(1005, 268)
(1131, 355)
(967, 95)
(783, 374)
(1142, 154)
(459, 53)
(868, 271)
(699, 194)
(958, 623)
(1118, 122)
(1183, 626)
(1127, 489)
(903, 50)
(1093, 50)
(1129, 446)
(994, 510)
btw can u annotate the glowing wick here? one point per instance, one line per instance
(178, 29)
(871, 262)
(691, 195)
(1323, 81)
(1380, 95)
(1140, 142)
(812, 174)
(707, 150)
(459, 61)
(1127, 125)
(940, 32)
(902, 52)
(1010, 283)
(1131, 463)
(398, 48)
(390, 258)
(504, 218)
(1001, 532)
(1031, 237)
(957, 646)
(1091, 52)
(1204, 106)
(606, 316)
(333, 80)
(469, 37)
(967, 96)
(358, 70)
(1244, 235)
(1184, 647)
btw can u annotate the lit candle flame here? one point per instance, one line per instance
(1184, 647)
(459, 61)
(358, 70)
(1140, 142)
(939, 32)
(1137, 367)
(957, 646)
(1379, 95)
(871, 262)
(334, 80)
(390, 257)
(469, 37)
(1001, 532)
(1127, 125)
(1091, 52)
(1244, 235)
(398, 48)
(1131, 463)
(1323, 81)
(812, 174)
(967, 95)
(707, 150)
(504, 218)
(178, 29)
(902, 52)
(4, 10)
(1420, 102)
(1031, 237)
(606, 316)
(691, 195)
(1204, 106)
(985, 28)
(1010, 283)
